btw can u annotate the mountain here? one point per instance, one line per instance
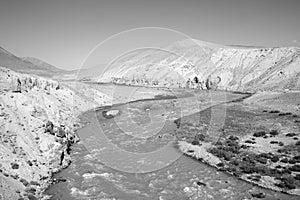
(214, 66)
(26, 65)
(40, 63)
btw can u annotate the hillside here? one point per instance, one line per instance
(214, 66)
(26, 65)
(40, 63)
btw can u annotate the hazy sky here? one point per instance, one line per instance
(63, 32)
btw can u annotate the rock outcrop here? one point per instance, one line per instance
(38, 117)
(214, 66)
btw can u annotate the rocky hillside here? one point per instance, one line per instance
(27, 65)
(38, 117)
(196, 64)
(40, 63)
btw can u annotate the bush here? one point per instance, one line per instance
(14, 165)
(274, 111)
(280, 144)
(287, 183)
(233, 138)
(247, 169)
(195, 142)
(259, 195)
(259, 134)
(234, 162)
(31, 197)
(274, 132)
(262, 160)
(290, 134)
(292, 161)
(200, 137)
(295, 168)
(250, 142)
(25, 182)
(243, 146)
(275, 159)
(297, 158)
(220, 164)
(30, 190)
(34, 183)
(284, 160)
(29, 163)
(297, 177)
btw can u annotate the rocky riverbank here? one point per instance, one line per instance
(38, 120)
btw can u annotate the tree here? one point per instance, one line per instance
(196, 80)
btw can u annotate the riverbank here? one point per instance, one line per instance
(92, 177)
(38, 118)
(259, 142)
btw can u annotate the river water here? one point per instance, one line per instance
(134, 156)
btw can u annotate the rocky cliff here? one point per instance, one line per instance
(38, 117)
(195, 64)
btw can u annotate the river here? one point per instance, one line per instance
(133, 155)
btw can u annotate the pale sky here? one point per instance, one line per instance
(62, 32)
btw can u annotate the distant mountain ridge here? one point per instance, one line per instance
(186, 62)
(27, 65)
(41, 63)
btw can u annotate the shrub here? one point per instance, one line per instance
(34, 183)
(30, 190)
(234, 162)
(284, 160)
(29, 163)
(290, 134)
(281, 144)
(262, 160)
(274, 132)
(201, 183)
(243, 146)
(286, 171)
(195, 142)
(15, 176)
(274, 111)
(297, 177)
(31, 197)
(220, 164)
(295, 168)
(25, 182)
(14, 165)
(275, 159)
(259, 195)
(259, 134)
(297, 158)
(247, 169)
(250, 142)
(287, 183)
(233, 138)
(292, 161)
(200, 137)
